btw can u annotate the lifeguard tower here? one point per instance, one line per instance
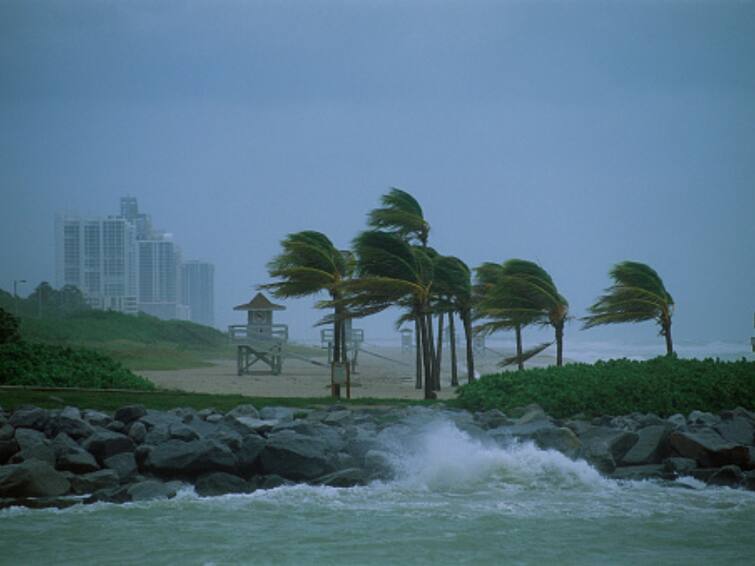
(407, 340)
(352, 343)
(259, 340)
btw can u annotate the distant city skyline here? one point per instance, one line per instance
(575, 134)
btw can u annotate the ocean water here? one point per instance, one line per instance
(454, 500)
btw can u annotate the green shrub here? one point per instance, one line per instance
(662, 385)
(47, 365)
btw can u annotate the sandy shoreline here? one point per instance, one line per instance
(376, 378)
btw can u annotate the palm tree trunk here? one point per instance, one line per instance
(519, 360)
(560, 344)
(336, 389)
(426, 358)
(452, 336)
(667, 335)
(438, 353)
(431, 348)
(467, 321)
(418, 352)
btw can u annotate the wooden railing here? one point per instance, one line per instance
(247, 333)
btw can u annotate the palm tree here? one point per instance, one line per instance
(532, 288)
(402, 216)
(501, 300)
(452, 279)
(391, 272)
(637, 294)
(309, 264)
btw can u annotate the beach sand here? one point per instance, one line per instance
(376, 378)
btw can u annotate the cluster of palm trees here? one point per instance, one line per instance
(392, 264)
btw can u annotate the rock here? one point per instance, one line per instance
(32, 478)
(641, 472)
(137, 432)
(492, 419)
(130, 413)
(348, 477)
(204, 413)
(707, 448)
(7, 449)
(731, 476)
(230, 438)
(277, 413)
(117, 494)
(30, 417)
(70, 422)
(270, 482)
(183, 432)
(532, 413)
(244, 411)
(249, 452)
(742, 412)
(96, 418)
(94, 481)
(157, 435)
(377, 465)
(558, 438)
(702, 419)
(221, 483)
(28, 438)
(337, 418)
(104, 443)
(749, 481)
(738, 430)
(176, 457)
(603, 447)
(152, 489)
(248, 425)
(214, 418)
(650, 448)
(6, 432)
(679, 466)
(702, 474)
(678, 421)
(117, 426)
(141, 453)
(79, 462)
(294, 456)
(64, 444)
(625, 423)
(124, 464)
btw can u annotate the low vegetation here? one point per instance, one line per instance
(662, 385)
(47, 365)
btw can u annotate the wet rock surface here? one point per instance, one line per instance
(138, 454)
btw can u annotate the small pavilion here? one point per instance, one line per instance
(259, 340)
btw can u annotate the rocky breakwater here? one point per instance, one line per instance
(69, 456)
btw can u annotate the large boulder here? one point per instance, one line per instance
(30, 417)
(97, 418)
(153, 489)
(6, 432)
(347, 477)
(295, 456)
(679, 466)
(104, 443)
(32, 478)
(708, 448)
(249, 452)
(699, 419)
(124, 464)
(137, 432)
(244, 411)
(731, 476)
(94, 481)
(69, 421)
(183, 432)
(130, 413)
(221, 483)
(648, 471)
(179, 458)
(77, 461)
(7, 449)
(650, 448)
(738, 430)
(603, 447)
(33, 445)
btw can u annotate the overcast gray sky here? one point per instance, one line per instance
(576, 134)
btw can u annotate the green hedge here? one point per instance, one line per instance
(662, 385)
(48, 365)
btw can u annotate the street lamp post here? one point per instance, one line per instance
(15, 292)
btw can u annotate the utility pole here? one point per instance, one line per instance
(15, 292)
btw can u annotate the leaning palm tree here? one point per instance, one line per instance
(310, 264)
(637, 294)
(402, 216)
(454, 282)
(531, 287)
(391, 272)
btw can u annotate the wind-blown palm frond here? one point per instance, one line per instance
(638, 294)
(401, 214)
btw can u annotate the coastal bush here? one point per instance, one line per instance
(48, 365)
(663, 386)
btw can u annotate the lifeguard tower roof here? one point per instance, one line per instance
(259, 303)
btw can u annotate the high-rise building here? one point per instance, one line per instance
(122, 263)
(98, 256)
(158, 286)
(198, 290)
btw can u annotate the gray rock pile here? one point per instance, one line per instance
(63, 457)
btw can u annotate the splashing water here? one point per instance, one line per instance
(456, 498)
